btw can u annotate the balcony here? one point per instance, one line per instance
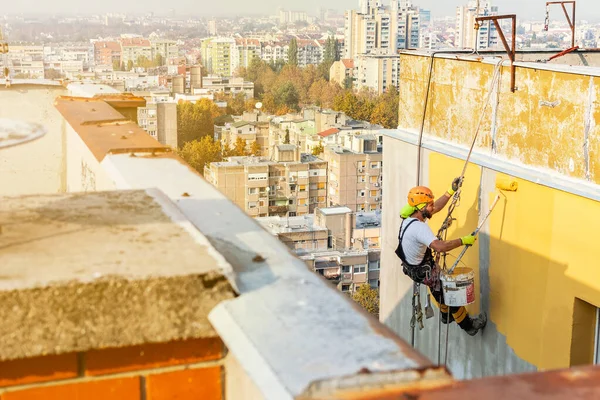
(120, 282)
(278, 210)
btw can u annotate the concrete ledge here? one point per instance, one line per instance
(288, 328)
(104, 269)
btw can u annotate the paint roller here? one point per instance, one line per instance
(503, 183)
(506, 184)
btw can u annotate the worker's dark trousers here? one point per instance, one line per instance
(460, 314)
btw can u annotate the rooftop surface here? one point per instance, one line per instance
(103, 129)
(278, 224)
(335, 210)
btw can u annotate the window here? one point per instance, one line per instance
(321, 185)
(252, 190)
(360, 178)
(361, 193)
(302, 188)
(374, 193)
(373, 179)
(293, 188)
(373, 265)
(345, 288)
(345, 269)
(252, 204)
(359, 269)
(374, 165)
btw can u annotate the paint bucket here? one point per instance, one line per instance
(458, 288)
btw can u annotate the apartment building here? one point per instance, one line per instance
(273, 51)
(385, 28)
(298, 233)
(166, 48)
(406, 20)
(377, 71)
(335, 242)
(159, 119)
(26, 61)
(292, 184)
(355, 175)
(486, 37)
(107, 52)
(244, 51)
(360, 33)
(347, 270)
(228, 85)
(310, 52)
(134, 48)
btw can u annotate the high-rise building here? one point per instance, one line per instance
(468, 34)
(406, 20)
(381, 28)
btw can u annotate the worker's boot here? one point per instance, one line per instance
(477, 324)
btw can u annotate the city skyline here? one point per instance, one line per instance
(525, 10)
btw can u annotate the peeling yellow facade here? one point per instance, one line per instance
(544, 123)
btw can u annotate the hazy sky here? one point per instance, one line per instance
(524, 8)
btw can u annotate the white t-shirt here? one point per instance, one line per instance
(416, 240)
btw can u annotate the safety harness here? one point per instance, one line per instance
(417, 272)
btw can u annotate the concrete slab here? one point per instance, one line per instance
(102, 269)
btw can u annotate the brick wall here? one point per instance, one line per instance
(190, 369)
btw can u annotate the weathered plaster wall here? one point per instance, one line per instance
(549, 122)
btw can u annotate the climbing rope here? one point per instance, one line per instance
(417, 315)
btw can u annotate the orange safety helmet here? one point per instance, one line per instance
(420, 195)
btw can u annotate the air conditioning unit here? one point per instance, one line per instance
(377, 198)
(361, 170)
(278, 187)
(376, 185)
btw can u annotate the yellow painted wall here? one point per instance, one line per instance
(543, 255)
(542, 124)
(442, 170)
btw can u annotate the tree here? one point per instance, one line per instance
(287, 95)
(52, 73)
(368, 298)
(286, 139)
(348, 82)
(159, 60)
(239, 147)
(318, 149)
(199, 153)
(385, 112)
(195, 121)
(116, 65)
(129, 65)
(255, 149)
(330, 55)
(293, 52)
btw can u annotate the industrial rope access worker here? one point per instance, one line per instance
(415, 244)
